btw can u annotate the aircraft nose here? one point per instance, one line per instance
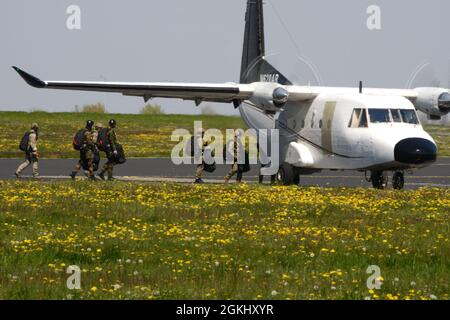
(415, 151)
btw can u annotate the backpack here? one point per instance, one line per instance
(23, 146)
(209, 167)
(102, 140)
(78, 139)
(120, 157)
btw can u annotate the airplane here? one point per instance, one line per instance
(375, 131)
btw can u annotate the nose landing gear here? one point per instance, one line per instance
(380, 180)
(398, 180)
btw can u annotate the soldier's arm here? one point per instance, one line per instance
(88, 137)
(113, 140)
(33, 142)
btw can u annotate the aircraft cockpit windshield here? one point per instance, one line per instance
(376, 116)
(409, 116)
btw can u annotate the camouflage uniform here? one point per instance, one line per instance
(111, 153)
(200, 167)
(31, 155)
(86, 154)
(98, 127)
(235, 167)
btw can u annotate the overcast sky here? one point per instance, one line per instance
(324, 41)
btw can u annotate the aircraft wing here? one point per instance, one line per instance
(187, 91)
(305, 93)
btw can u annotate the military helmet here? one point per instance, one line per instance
(34, 126)
(89, 124)
(112, 123)
(98, 125)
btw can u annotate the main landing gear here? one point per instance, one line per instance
(288, 175)
(380, 180)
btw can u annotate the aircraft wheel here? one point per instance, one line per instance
(398, 181)
(286, 174)
(379, 180)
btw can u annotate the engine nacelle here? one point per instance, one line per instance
(433, 101)
(270, 97)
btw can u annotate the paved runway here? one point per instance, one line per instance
(152, 170)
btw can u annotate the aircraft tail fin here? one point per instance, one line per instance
(254, 67)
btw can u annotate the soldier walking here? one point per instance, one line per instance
(201, 145)
(235, 167)
(111, 151)
(29, 146)
(87, 149)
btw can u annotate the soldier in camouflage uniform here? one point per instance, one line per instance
(235, 168)
(98, 127)
(31, 155)
(111, 151)
(202, 145)
(87, 152)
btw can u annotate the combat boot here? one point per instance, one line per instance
(101, 175)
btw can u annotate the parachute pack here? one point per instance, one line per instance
(23, 145)
(78, 139)
(102, 140)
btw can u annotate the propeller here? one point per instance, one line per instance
(426, 75)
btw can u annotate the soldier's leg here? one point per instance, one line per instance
(76, 169)
(104, 168)
(273, 179)
(35, 168)
(90, 163)
(239, 176)
(23, 166)
(261, 179)
(91, 169)
(110, 170)
(233, 171)
(199, 171)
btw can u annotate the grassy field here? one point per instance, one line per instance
(441, 134)
(142, 135)
(171, 241)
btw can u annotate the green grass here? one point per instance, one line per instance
(142, 135)
(441, 134)
(172, 241)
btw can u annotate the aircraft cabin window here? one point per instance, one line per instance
(359, 119)
(354, 121)
(409, 116)
(379, 115)
(320, 124)
(396, 115)
(363, 121)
